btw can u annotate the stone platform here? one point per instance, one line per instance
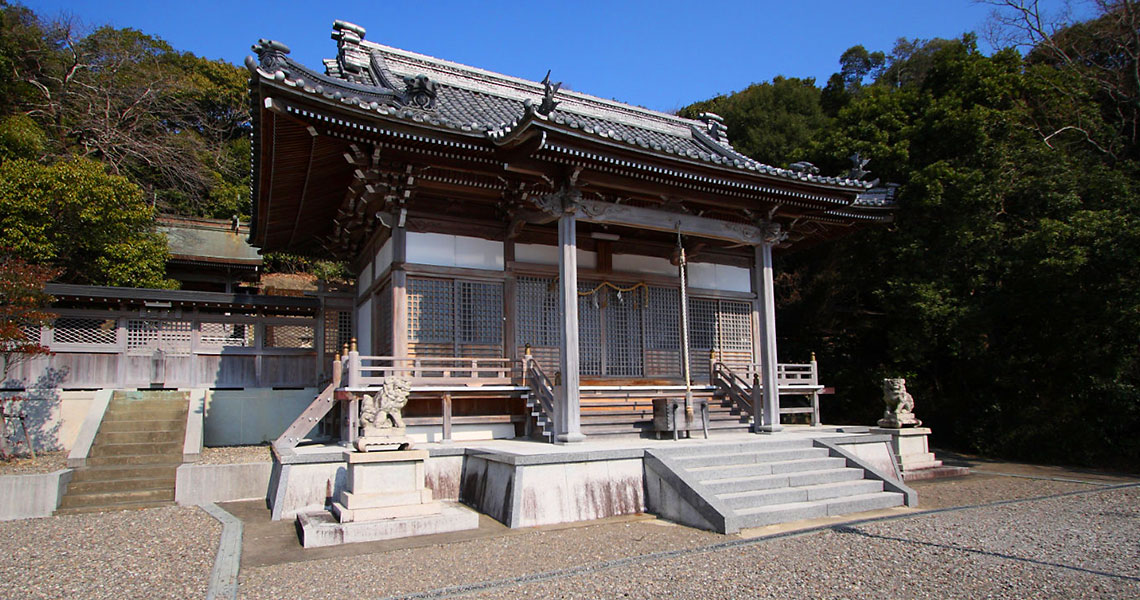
(385, 497)
(321, 528)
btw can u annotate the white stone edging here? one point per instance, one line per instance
(78, 455)
(227, 564)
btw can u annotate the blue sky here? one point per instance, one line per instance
(661, 54)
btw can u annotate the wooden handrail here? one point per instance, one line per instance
(541, 387)
(366, 371)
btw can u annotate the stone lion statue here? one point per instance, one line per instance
(900, 405)
(384, 409)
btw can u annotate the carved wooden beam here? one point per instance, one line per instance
(608, 213)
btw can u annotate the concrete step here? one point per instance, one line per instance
(805, 493)
(113, 507)
(779, 480)
(145, 414)
(161, 494)
(101, 448)
(115, 472)
(113, 426)
(139, 437)
(137, 459)
(796, 511)
(738, 447)
(752, 457)
(120, 485)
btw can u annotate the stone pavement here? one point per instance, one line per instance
(1008, 530)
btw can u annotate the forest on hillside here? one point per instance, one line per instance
(1007, 291)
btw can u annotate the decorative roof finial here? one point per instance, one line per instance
(548, 101)
(858, 162)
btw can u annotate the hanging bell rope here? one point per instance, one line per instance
(685, 327)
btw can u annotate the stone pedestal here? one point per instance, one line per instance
(910, 447)
(385, 485)
(384, 498)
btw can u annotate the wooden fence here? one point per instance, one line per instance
(129, 349)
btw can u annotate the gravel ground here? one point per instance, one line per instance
(226, 455)
(1071, 547)
(155, 553)
(427, 568)
(1076, 546)
(44, 462)
(982, 489)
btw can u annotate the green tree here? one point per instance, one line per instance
(72, 215)
(773, 121)
(1008, 290)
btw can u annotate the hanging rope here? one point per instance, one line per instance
(685, 329)
(615, 287)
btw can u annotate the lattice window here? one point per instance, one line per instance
(79, 330)
(431, 310)
(536, 305)
(589, 330)
(662, 317)
(172, 337)
(30, 333)
(226, 335)
(734, 326)
(480, 312)
(623, 333)
(382, 344)
(702, 324)
(289, 336)
(338, 330)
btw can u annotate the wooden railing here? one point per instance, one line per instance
(367, 371)
(737, 389)
(541, 394)
(743, 389)
(788, 375)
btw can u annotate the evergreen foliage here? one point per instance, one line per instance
(1008, 289)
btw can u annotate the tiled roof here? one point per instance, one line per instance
(377, 79)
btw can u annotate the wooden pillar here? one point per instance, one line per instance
(568, 418)
(399, 292)
(446, 413)
(769, 413)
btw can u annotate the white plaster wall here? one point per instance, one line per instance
(383, 258)
(539, 254)
(54, 417)
(364, 328)
(252, 415)
(633, 263)
(364, 280)
(711, 276)
(445, 250)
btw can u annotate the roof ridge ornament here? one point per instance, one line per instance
(270, 56)
(548, 90)
(857, 169)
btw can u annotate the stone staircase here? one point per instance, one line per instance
(753, 484)
(136, 452)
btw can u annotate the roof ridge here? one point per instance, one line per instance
(586, 104)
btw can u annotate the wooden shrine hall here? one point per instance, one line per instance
(535, 261)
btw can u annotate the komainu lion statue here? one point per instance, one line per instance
(381, 417)
(900, 405)
(384, 410)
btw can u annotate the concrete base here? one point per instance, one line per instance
(910, 446)
(935, 473)
(320, 528)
